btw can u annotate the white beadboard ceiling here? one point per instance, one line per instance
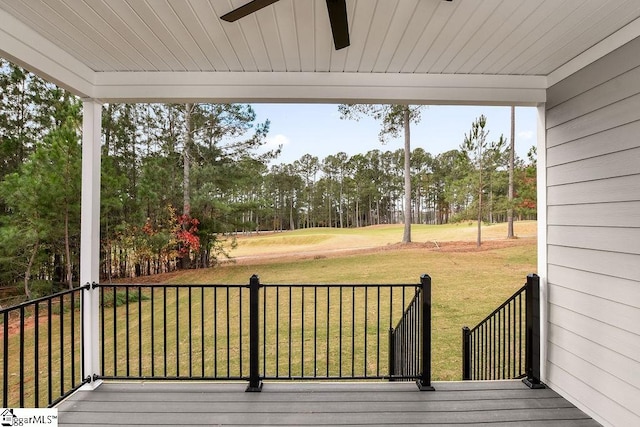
(496, 51)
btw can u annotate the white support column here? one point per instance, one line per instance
(542, 236)
(90, 234)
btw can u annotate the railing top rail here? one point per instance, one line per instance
(341, 285)
(170, 285)
(43, 299)
(503, 305)
(268, 285)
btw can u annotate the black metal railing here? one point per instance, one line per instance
(406, 340)
(503, 345)
(255, 332)
(174, 332)
(330, 331)
(217, 332)
(41, 350)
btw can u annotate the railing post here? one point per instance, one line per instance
(532, 337)
(255, 384)
(424, 383)
(466, 353)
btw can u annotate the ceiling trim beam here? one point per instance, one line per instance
(320, 88)
(621, 37)
(26, 48)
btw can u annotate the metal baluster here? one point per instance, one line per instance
(328, 328)
(302, 337)
(126, 314)
(202, 328)
(290, 316)
(153, 333)
(49, 350)
(36, 356)
(378, 334)
(5, 359)
(340, 337)
(366, 310)
(177, 331)
(315, 331)
(353, 329)
(277, 331)
(164, 328)
(6, 337)
(139, 331)
(73, 338)
(264, 331)
(215, 332)
(61, 308)
(190, 335)
(241, 361)
(520, 333)
(103, 338)
(228, 337)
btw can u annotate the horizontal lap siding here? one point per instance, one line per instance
(593, 237)
(623, 240)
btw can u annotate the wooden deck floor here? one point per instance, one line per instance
(366, 404)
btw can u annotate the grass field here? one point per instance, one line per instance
(331, 240)
(468, 283)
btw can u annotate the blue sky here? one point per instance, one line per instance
(317, 129)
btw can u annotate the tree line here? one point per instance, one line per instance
(180, 181)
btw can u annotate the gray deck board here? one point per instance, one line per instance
(197, 404)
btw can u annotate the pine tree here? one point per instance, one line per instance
(396, 119)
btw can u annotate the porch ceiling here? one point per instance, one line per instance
(420, 51)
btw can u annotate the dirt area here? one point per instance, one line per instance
(448, 247)
(434, 246)
(29, 322)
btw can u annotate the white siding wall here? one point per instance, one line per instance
(593, 237)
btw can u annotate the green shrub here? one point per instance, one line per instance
(121, 298)
(43, 288)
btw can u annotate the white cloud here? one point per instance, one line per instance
(276, 140)
(526, 134)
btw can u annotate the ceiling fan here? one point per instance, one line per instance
(337, 17)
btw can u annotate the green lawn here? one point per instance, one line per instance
(467, 285)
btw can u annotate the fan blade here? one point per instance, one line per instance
(339, 24)
(246, 9)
